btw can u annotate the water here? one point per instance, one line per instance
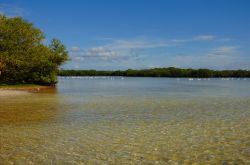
(115, 120)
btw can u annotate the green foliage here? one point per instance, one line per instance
(23, 56)
(160, 72)
(60, 53)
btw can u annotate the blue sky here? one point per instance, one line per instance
(116, 34)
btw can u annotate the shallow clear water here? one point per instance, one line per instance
(115, 120)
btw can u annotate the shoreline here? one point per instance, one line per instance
(17, 90)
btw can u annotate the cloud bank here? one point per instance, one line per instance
(202, 51)
(124, 49)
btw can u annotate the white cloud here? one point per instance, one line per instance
(204, 38)
(150, 66)
(194, 39)
(119, 49)
(140, 43)
(222, 57)
(74, 49)
(99, 53)
(124, 49)
(179, 40)
(224, 50)
(148, 43)
(76, 67)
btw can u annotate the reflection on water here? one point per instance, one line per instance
(129, 121)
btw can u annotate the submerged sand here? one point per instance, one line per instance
(22, 90)
(7, 93)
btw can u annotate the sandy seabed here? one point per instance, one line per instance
(7, 93)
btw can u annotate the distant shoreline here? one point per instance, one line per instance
(170, 72)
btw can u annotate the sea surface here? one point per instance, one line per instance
(122, 120)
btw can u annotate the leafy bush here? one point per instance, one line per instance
(23, 56)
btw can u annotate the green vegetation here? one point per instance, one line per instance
(160, 72)
(24, 58)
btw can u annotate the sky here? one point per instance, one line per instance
(140, 34)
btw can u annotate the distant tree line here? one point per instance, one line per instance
(24, 58)
(160, 72)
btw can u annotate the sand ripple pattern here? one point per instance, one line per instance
(125, 130)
